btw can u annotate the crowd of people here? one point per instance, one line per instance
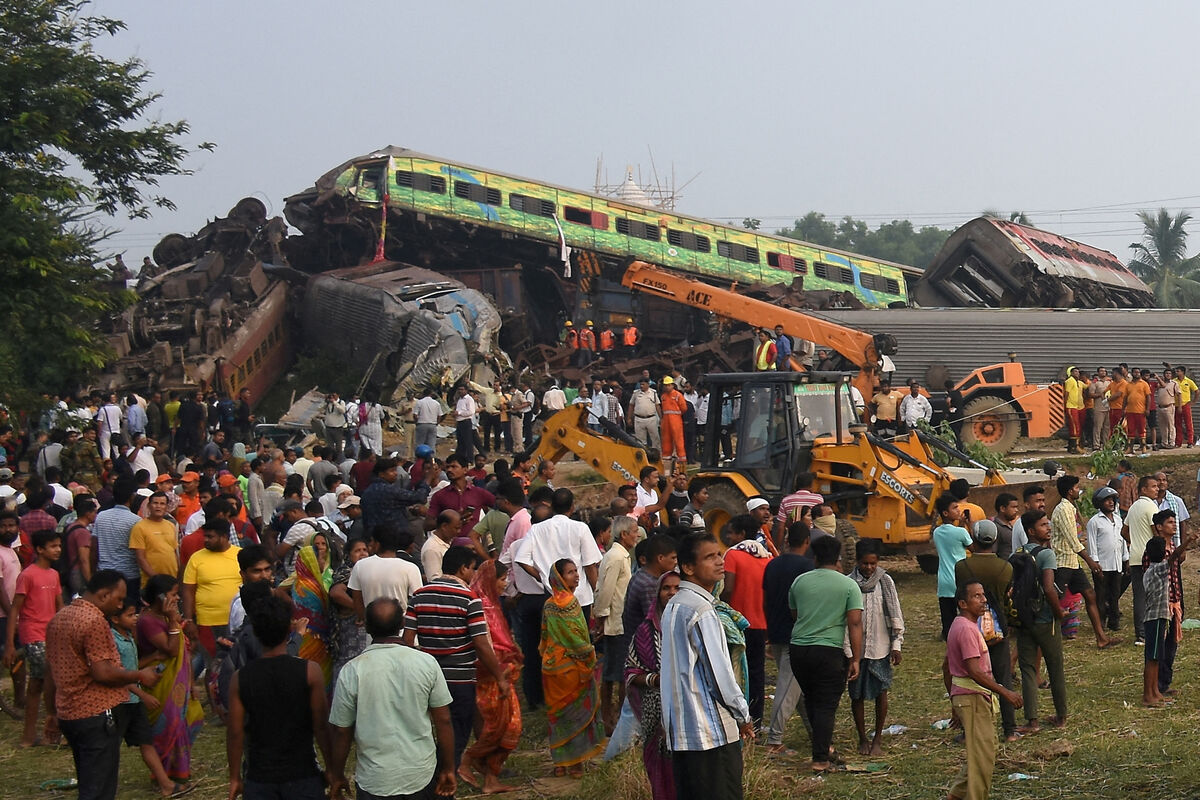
(415, 608)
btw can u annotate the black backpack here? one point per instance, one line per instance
(1028, 598)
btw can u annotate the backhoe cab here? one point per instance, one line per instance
(764, 428)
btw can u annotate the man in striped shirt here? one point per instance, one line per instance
(447, 619)
(703, 708)
(789, 506)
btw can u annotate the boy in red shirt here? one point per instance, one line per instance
(38, 598)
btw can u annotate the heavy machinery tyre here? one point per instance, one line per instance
(725, 501)
(173, 250)
(992, 421)
(928, 562)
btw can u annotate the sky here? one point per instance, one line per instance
(1078, 114)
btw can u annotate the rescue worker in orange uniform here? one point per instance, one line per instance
(608, 341)
(630, 337)
(587, 346)
(569, 336)
(673, 407)
(764, 353)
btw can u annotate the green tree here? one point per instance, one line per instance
(1161, 260)
(897, 240)
(75, 148)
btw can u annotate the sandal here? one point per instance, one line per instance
(180, 789)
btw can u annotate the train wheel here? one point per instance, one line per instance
(992, 422)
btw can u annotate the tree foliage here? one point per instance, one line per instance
(75, 148)
(898, 240)
(1161, 260)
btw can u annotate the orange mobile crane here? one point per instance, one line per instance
(864, 350)
(998, 405)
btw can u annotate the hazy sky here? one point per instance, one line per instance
(1076, 113)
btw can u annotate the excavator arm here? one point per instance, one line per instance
(862, 349)
(613, 453)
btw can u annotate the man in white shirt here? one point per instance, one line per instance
(557, 538)
(464, 424)
(141, 456)
(555, 399)
(333, 414)
(448, 525)
(385, 573)
(647, 493)
(915, 407)
(1109, 550)
(110, 424)
(426, 413)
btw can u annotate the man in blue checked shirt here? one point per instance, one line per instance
(705, 714)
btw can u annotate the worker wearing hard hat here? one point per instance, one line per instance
(569, 336)
(630, 336)
(587, 345)
(673, 407)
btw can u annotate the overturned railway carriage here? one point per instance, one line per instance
(404, 324)
(440, 213)
(996, 263)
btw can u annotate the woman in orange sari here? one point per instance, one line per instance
(501, 713)
(568, 676)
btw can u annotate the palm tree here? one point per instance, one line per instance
(1161, 259)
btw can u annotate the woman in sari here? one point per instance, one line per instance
(347, 636)
(310, 593)
(501, 713)
(568, 676)
(642, 682)
(160, 640)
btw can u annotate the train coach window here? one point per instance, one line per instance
(738, 252)
(868, 280)
(531, 205)
(783, 261)
(688, 241)
(638, 229)
(434, 184)
(893, 286)
(581, 216)
(477, 193)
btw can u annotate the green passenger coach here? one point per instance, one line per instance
(611, 228)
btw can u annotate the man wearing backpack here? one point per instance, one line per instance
(987, 568)
(1035, 601)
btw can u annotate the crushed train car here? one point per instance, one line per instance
(420, 326)
(991, 262)
(204, 324)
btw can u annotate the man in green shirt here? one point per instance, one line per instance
(385, 702)
(826, 605)
(1046, 633)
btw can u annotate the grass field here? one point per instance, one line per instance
(1110, 748)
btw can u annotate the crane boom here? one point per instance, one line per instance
(862, 349)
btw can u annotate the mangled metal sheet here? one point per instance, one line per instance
(997, 263)
(418, 325)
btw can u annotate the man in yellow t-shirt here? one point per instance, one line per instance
(1184, 433)
(885, 404)
(1074, 387)
(211, 580)
(155, 540)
